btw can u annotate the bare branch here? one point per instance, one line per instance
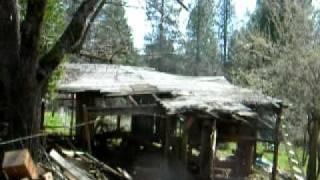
(70, 40)
(184, 6)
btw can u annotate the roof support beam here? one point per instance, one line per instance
(133, 101)
(134, 110)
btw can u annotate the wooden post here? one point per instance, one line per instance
(276, 146)
(167, 137)
(214, 144)
(86, 128)
(206, 150)
(118, 122)
(184, 143)
(72, 114)
(87, 98)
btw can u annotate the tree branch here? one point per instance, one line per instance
(181, 4)
(30, 30)
(93, 56)
(93, 17)
(70, 40)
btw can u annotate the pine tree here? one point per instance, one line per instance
(160, 43)
(225, 15)
(201, 43)
(110, 39)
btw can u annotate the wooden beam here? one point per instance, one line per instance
(244, 137)
(156, 98)
(133, 101)
(276, 147)
(135, 110)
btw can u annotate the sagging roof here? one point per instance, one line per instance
(210, 94)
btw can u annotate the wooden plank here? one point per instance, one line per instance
(123, 174)
(19, 164)
(69, 168)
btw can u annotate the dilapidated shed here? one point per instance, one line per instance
(181, 114)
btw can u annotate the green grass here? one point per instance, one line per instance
(283, 162)
(52, 120)
(226, 149)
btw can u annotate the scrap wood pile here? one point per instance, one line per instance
(62, 164)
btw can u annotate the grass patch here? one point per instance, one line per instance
(283, 159)
(57, 123)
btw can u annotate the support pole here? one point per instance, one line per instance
(206, 158)
(72, 114)
(213, 147)
(276, 146)
(87, 128)
(167, 137)
(118, 122)
(184, 143)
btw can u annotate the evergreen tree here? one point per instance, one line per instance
(165, 36)
(225, 15)
(110, 38)
(201, 43)
(278, 54)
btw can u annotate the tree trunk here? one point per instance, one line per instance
(23, 75)
(21, 94)
(313, 152)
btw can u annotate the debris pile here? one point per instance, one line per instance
(64, 164)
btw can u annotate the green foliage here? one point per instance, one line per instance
(53, 26)
(278, 54)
